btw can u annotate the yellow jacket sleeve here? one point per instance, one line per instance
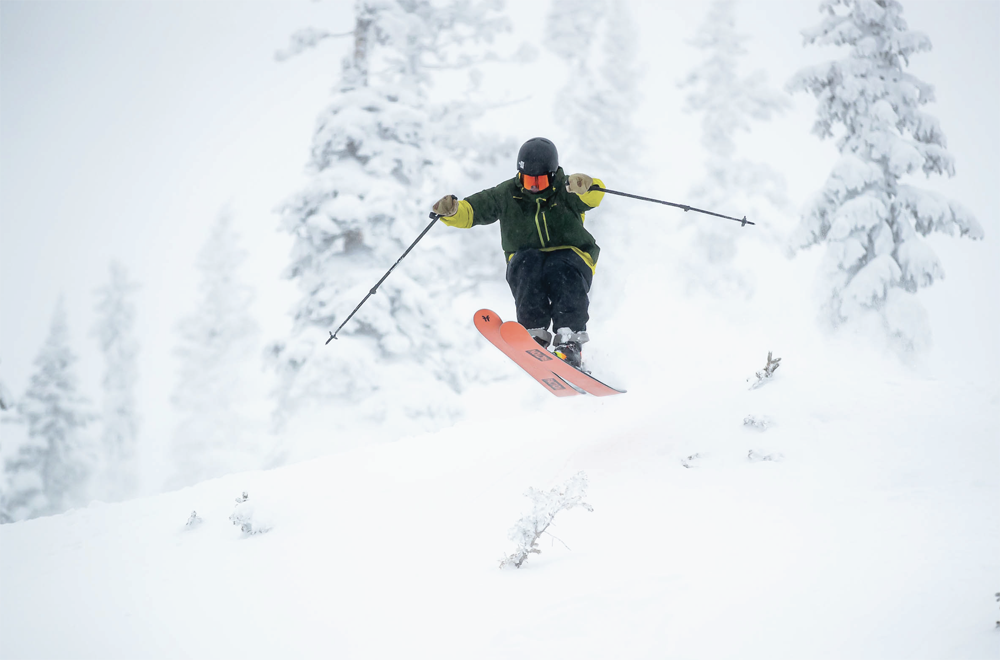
(594, 197)
(463, 217)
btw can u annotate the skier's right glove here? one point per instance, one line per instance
(447, 206)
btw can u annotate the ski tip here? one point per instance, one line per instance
(486, 316)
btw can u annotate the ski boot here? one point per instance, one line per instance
(569, 346)
(542, 336)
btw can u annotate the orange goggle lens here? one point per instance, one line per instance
(540, 182)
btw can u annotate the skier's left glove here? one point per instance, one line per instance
(447, 206)
(579, 183)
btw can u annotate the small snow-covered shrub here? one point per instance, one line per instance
(249, 517)
(687, 461)
(756, 456)
(764, 375)
(545, 505)
(193, 520)
(757, 422)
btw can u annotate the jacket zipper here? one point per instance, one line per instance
(538, 226)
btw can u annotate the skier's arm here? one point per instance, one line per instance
(482, 208)
(461, 218)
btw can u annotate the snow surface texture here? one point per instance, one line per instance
(867, 509)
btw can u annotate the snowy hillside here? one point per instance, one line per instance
(262, 165)
(860, 523)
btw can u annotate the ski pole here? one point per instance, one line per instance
(743, 221)
(434, 218)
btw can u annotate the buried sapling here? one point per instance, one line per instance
(545, 505)
(764, 375)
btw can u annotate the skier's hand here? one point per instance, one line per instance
(447, 206)
(579, 183)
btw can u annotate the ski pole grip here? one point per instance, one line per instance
(434, 216)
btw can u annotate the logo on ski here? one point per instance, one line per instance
(540, 355)
(486, 317)
(553, 383)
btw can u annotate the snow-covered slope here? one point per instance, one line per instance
(862, 523)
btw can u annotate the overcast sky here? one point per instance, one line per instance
(126, 127)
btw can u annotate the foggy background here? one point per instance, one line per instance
(126, 128)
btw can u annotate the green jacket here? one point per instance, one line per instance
(549, 220)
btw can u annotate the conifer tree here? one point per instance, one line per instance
(7, 404)
(728, 104)
(6, 399)
(115, 331)
(393, 139)
(871, 218)
(50, 471)
(597, 42)
(218, 368)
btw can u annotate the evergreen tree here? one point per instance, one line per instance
(218, 363)
(597, 42)
(871, 219)
(6, 399)
(393, 140)
(115, 331)
(50, 471)
(728, 103)
(7, 404)
(597, 105)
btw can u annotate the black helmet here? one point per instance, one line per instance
(538, 156)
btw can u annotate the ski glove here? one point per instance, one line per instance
(579, 183)
(447, 206)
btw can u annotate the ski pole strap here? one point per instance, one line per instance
(374, 289)
(743, 221)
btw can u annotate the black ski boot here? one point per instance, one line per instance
(570, 352)
(542, 336)
(569, 346)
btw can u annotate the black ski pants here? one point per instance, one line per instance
(550, 287)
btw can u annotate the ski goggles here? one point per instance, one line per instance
(535, 183)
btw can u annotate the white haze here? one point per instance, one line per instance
(131, 158)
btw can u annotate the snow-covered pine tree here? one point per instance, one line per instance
(6, 416)
(115, 331)
(597, 106)
(396, 136)
(6, 399)
(219, 367)
(598, 43)
(870, 220)
(50, 471)
(728, 103)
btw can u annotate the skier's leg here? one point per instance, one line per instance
(524, 275)
(567, 281)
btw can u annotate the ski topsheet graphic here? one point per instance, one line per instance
(488, 323)
(553, 374)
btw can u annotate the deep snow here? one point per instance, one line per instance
(872, 531)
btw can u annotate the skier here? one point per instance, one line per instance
(551, 257)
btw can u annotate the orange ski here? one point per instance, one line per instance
(530, 353)
(489, 323)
